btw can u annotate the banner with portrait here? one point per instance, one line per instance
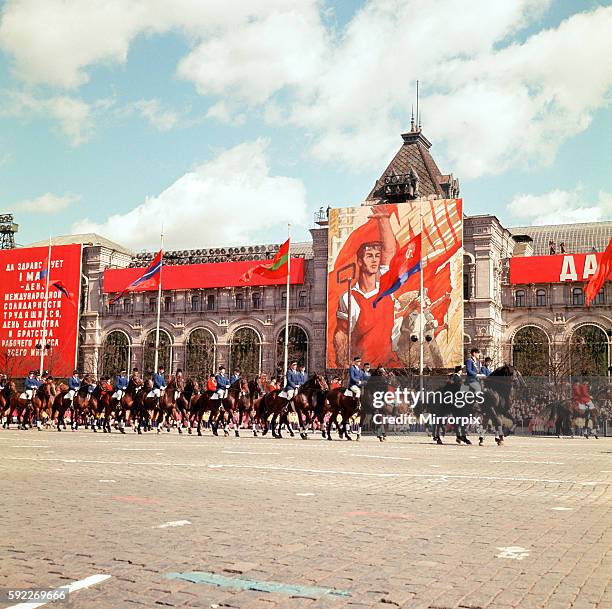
(364, 244)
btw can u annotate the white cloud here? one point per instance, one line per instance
(560, 206)
(489, 103)
(74, 115)
(151, 109)
(224, 201)
(47, 203)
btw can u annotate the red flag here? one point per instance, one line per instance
(149, 279)
(279, 267)
(597, 280)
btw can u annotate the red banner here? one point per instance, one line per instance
(553, 269)
(194, 276)
(23, 285)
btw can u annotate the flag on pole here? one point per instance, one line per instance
(278, 268)
(150, 279)
(597, 280)
(405, 263)
(59, 285)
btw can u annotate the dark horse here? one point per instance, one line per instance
(497, 399)
(345, 406)
(308, 401)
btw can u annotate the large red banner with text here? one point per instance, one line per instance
(201, 276)
(558, 268)
(23, 323)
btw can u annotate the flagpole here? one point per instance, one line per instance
(287, 303)
(421, 299)
(159, 295)
(44, 329)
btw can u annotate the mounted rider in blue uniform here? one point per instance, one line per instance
(223, 384)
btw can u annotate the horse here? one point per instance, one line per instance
(309, 399)
(346, 406)
(271, 407)
(183, 404)
(236, 400)
(81, 408)
(497, 399)
(42, 400)
(9, 403)
(60, 405)
(124, 406)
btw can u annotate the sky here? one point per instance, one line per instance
(224, 121)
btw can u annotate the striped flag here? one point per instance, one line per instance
(597, 280)
(278, 268)
(150, 279)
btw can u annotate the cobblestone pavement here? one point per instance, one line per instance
(400, 524)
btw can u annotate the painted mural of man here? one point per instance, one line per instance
(371, 328)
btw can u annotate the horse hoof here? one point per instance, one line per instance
(199, 433)
(140, 432)
(237, 433)
(357, 438)
(122, 430)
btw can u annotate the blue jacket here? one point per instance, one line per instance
(486, 371)
(303, 377)
(121, 382)
(355, 375)
(472, 368)
(32, 383)
(74, 383)
(294, 378)
(159, 381)
(233, 379)
(222, 381)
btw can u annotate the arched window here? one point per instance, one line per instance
(577, 296)
(256, 297)
(165, 352)
(600, 297)
(195, 303)
(298, 347)
(200, 359)
(589, 351)
(240, 301)
(519, 298)
(115, 353)
(245, 352)
(531, 352)
(540, 298)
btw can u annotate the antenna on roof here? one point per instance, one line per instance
(412, 119)
(417, 105)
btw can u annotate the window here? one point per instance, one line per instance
(466, 286)
(168, 304)
(240, 301)
(127, 305)
(302, 300)
(600, 297)
(541, 298)
(210, 302)
(256, 300)
(519, 298)
(195, 303)
(152, 305)
(577, 296)
(284, 299)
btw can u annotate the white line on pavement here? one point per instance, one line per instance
(92, 580)
(561, 509)
(107, 481)
(311, 471)
(246, 452)
(172, 523)
(304, 494)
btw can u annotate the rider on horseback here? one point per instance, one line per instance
(159, 382)
(74, 384)
(223, 384)
(357, 378)
(121, 384)
(293, 382)
(31, 385)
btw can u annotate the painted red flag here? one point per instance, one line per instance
(597, 280)
(279, 267)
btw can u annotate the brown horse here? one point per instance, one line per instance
(9, 403)
(273, 408)
(42, 401)
(60, 405)
(123, 407)
(345, 406)
(308, 401)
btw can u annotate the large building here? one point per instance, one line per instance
(535, 319)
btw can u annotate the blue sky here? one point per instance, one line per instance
(226, 120)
